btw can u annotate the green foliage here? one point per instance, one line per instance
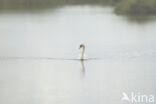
(132, 7)
(136, 7)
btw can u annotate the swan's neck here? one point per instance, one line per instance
(82, 53)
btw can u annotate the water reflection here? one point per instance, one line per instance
(83, 70)
(140, 19)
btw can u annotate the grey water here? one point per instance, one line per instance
(39, 52)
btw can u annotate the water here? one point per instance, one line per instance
(39, 51)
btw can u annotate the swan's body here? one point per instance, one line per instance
(82, 48)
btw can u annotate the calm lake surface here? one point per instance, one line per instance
(35, 48)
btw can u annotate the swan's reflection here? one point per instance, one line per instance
(82, 68)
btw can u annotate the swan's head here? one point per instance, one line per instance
(82, 46)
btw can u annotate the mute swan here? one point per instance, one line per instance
(82, 47)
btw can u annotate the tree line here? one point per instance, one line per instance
(132, 7)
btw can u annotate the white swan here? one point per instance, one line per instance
(82, 48)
